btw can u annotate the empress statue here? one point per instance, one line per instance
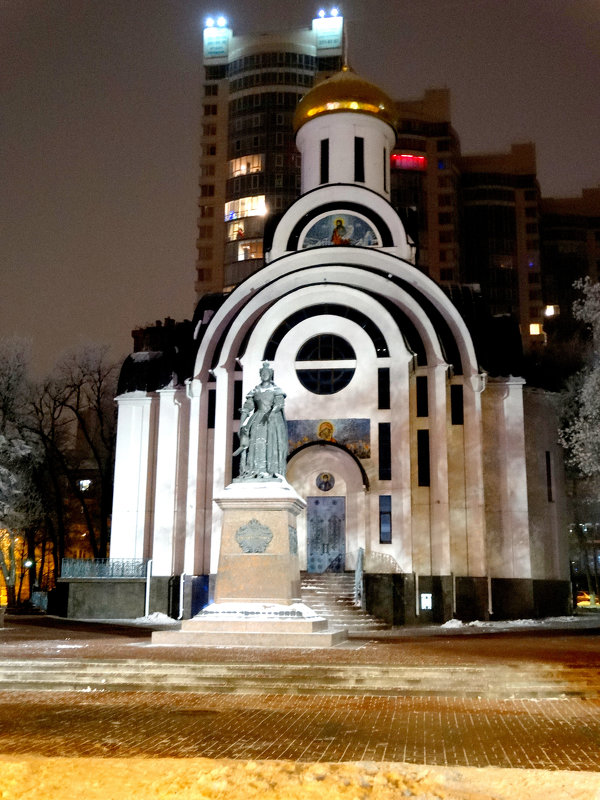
(263, 431)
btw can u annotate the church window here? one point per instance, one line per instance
(423, 468)
(359, 159)
(315, 370)
(383, 387)
(422, 400)
(237, 399)
(324, 161)
(385, 451)
(457, 413)
(212, 405)
(385, 158)
(385, 519)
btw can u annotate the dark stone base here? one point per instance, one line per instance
(471, 599)
(125, 598)
(512, 598)
(392, 598)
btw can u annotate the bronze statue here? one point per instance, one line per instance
(263, 431)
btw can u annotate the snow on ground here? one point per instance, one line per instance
(511, 623)
(226, 779)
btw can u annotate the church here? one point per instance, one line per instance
(423, 460)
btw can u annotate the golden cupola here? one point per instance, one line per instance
(345, 92)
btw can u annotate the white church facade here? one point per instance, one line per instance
(442, 480)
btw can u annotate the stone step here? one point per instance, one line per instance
(136, 675)
(331, 594)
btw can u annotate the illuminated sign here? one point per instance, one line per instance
(329, 31)
(408, 161)
(216, 39)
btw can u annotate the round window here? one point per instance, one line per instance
(326, 377)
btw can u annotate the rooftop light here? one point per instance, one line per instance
(334, 12)
(321, 13)
(209, 22)
(221, 22)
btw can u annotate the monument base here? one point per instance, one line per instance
(257, 588)
(254, 625)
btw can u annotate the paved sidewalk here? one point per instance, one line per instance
(552, 734)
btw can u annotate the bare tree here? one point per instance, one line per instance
(75, 419)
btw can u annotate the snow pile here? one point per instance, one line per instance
(509, 623)
(156, 618)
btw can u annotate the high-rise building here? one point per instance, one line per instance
(249, 164)
(500, 234)
(570, 229)
(424, 182)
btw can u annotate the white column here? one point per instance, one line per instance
(506, 480)
(197, 533)
(401, 481)
(166, 493)
(134, 474)
(474, 494)
(222, 454)
(438, 457)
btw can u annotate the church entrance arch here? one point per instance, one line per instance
(334, 524)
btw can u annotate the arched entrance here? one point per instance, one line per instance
(334, 524)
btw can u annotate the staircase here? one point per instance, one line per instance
(331, 595)
(506, 681)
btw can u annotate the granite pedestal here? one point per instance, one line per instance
(257, 588)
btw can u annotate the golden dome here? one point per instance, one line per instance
(345, 91)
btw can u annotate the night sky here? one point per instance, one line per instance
(100, 117)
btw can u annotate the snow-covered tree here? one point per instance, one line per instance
(580, 429)
(580, 434)
(20, 505)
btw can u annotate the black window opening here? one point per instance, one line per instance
(385, 159)
(385, 519)
(324, 178)
(359, 159)
(235, 460)
(549, 477)
(457, 414)
(237, 399)
(383, 388)
(385, 451)
(212, 405)
(327, 379)
(422, 399)
(423, 468)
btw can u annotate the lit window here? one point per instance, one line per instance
(535, 329)
(245, 207)
(551, 311)
(248, 250)
(84, 485)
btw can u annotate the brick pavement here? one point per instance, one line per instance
(559, 734)
(556, 734)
